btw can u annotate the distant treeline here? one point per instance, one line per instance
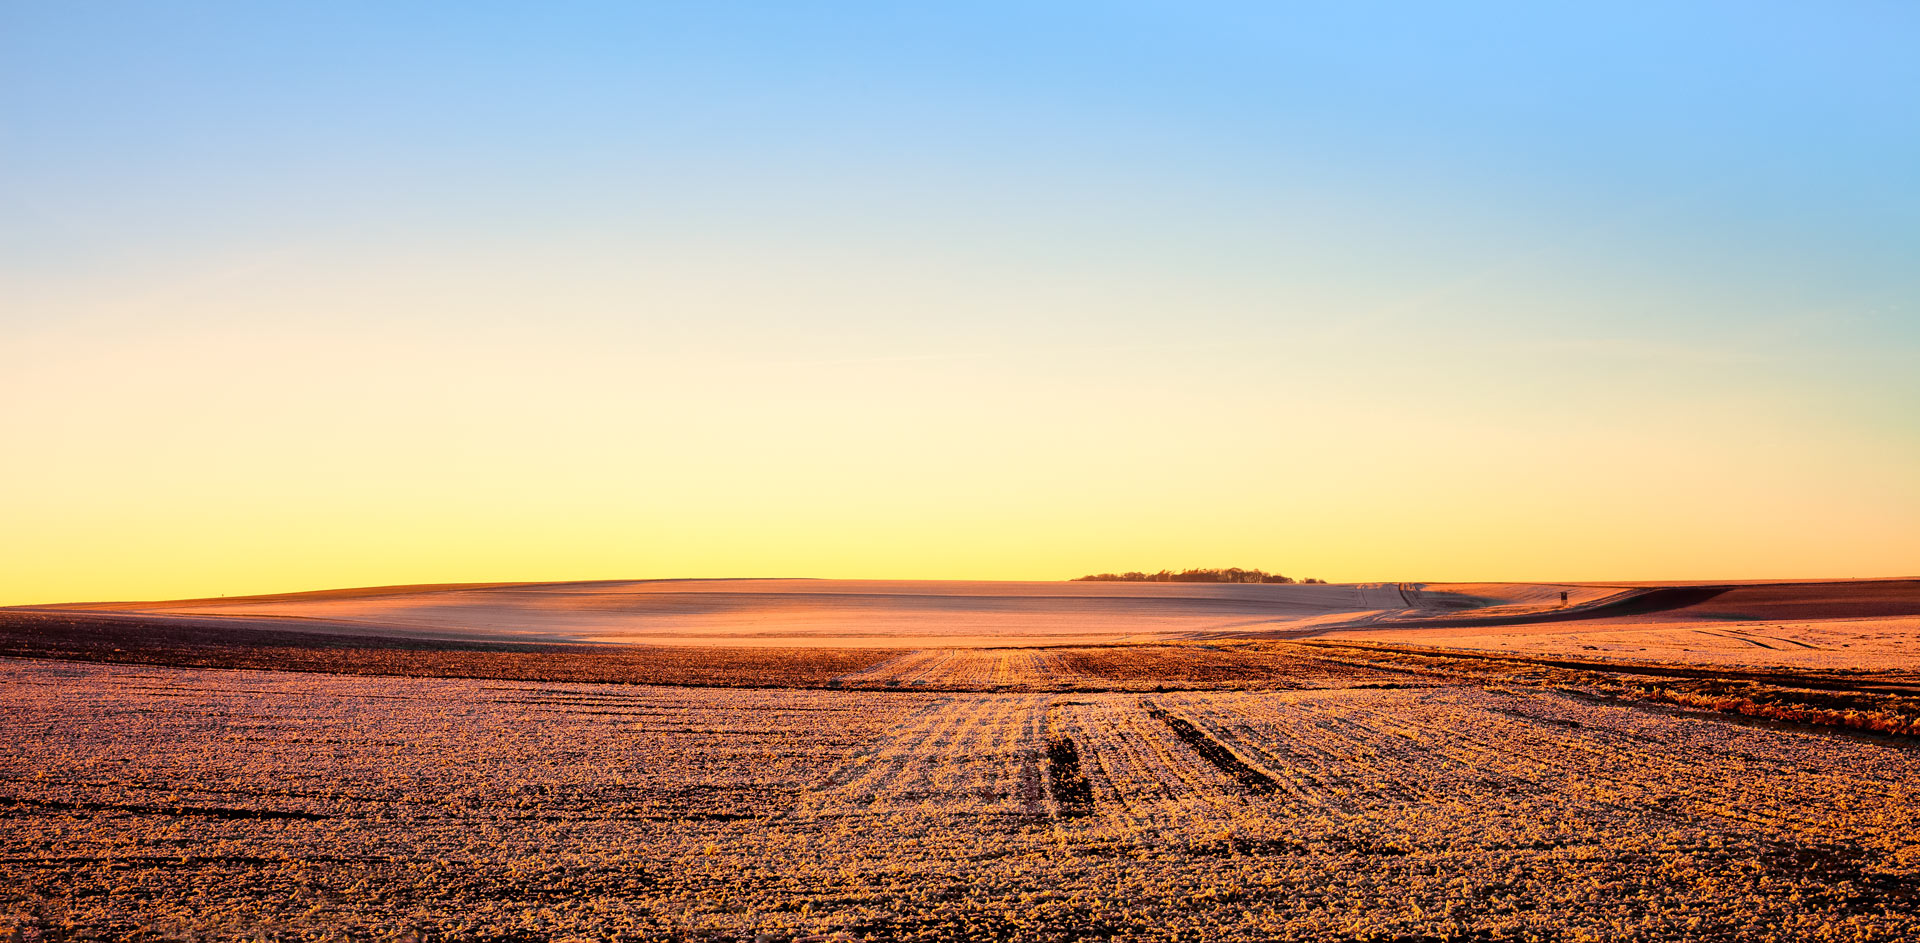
(1229, 575)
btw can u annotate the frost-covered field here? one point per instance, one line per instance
(1884, 644)
(146, 802)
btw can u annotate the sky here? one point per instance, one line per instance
(306, 296)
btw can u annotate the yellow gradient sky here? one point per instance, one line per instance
(294, 302)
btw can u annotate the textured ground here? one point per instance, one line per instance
(153, 803)
(1866, 624)
(1468, 762)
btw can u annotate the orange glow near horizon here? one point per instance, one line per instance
(264, 464)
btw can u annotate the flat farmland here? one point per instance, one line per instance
(1448, 766)
(144, 803)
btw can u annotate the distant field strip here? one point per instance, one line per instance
(964, 669)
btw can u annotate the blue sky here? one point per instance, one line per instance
(1483, 220)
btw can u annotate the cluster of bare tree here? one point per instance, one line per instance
(1229, 575)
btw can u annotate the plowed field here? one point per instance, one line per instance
(149, 803)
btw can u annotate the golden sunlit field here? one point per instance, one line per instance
(765, 472)
(1254, 768)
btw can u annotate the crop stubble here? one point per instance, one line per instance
(166, 801)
